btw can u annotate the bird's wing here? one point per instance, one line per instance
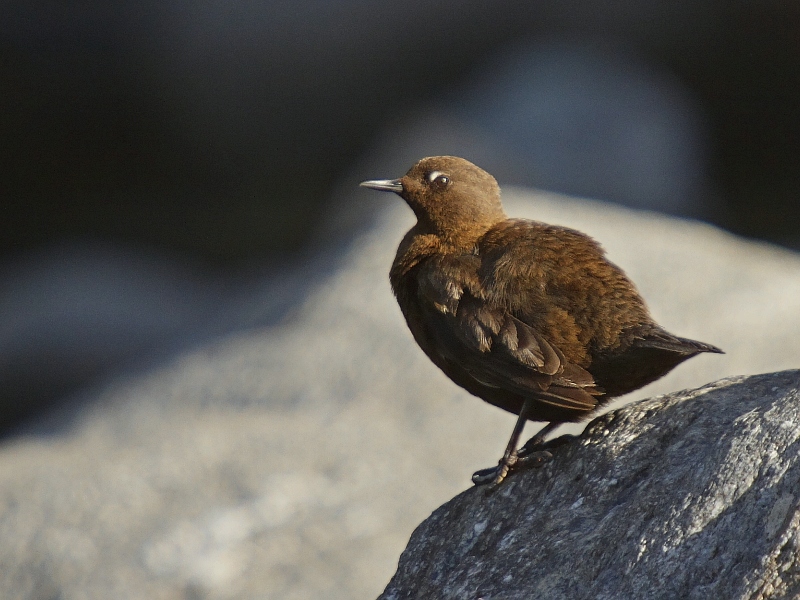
(492, 345)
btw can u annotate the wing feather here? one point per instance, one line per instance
(496, 348)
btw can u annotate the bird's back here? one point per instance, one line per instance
(559, 281)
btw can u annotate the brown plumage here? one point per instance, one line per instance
(530, 317)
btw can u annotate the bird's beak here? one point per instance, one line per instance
(384, 185)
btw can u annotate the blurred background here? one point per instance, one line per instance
(206, 388)
(158, 156)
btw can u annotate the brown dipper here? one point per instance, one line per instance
(530, 317)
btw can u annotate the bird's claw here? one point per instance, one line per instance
(494, 476)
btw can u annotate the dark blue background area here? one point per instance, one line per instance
(207, 126)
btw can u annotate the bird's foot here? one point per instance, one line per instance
(494, 476)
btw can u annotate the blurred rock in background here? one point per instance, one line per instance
(73, 311)
(292, 456)
(590, 120)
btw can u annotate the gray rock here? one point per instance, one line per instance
(74, 311)
(291, 457)
(690, 495)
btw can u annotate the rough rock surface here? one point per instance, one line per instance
(689, 495)
(290, 453)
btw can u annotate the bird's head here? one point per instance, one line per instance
(450, 196)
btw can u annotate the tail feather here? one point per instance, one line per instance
(664, 340)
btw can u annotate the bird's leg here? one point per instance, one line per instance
(537, 443)
(496, 475)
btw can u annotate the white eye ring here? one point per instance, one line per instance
(434, 175)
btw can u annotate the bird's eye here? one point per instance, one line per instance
(438, 179)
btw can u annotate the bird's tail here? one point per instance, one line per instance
(664, 340)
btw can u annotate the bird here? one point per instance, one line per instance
(531, 317)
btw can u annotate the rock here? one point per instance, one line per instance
(292, 450)
(75, 311)
(689, 495)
